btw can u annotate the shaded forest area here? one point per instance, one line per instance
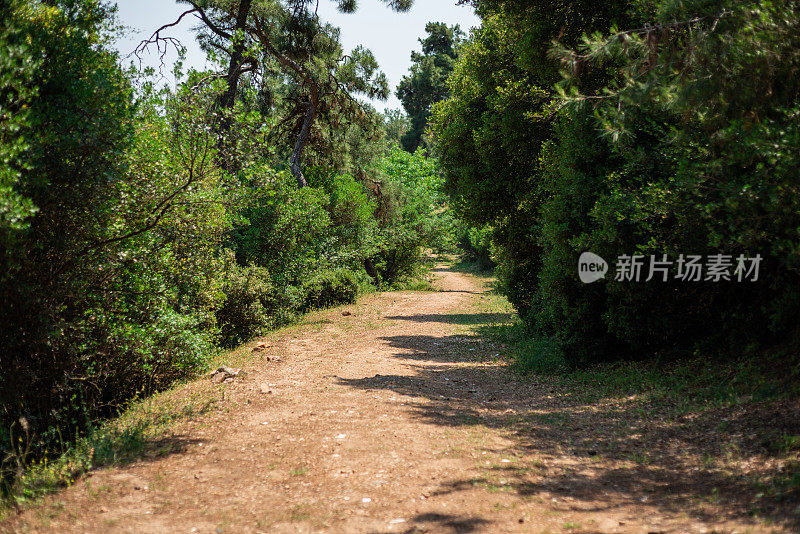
(632, 128)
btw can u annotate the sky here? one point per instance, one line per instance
(391, 36)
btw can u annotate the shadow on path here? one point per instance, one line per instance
(456, 318)
(446, 523)
(598, 455)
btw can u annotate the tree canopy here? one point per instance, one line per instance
(266, 39)
(426, 83)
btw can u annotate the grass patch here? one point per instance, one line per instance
(467, 265)
(491, 486)
(299, 471)
(299, 513)
(683, 386)
(418, 283)
(687, 385)
(141, 430)
(420, 280)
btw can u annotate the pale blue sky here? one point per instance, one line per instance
(391, 36)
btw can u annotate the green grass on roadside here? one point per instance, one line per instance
(689, 392)
(684, 385)
(141, 430)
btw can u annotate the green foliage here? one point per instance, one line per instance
(250, 304)
(412, 213)
(295, 64)
(282, 227)
(330, 288)
(477, 245)
(67, 172)
(353, 234)
(487, 134)
(419, 176)
(17, 66)
(396, 124)
(110, 287)
(426, 82)
(674, 138)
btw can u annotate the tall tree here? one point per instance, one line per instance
(262, 37)
(426, 82)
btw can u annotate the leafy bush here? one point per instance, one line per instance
(477, 245)
(108, 287)
(669, 139)
(330, 288)
(281, 228)
(412, 213)
(250, 304)
(353, 233)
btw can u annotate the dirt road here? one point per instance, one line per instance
(395, 417)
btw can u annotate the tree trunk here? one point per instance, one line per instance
(369, 266)
(227, 99)
(300, 144)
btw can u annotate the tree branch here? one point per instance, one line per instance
(157, 40)
(211, 26)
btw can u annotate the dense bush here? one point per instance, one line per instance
(353, 234)
(329, 288)
(108, 286)
(675, 138)
(249, 306)
(412, 213)
(476, 243)
(282, 228)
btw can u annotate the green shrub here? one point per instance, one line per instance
(353, 233)
(330, 288)
(412, 213)
(476, 243)
(107, 289)
(282, 229)
(249, 306)
(647, 142)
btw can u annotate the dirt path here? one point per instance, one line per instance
(395, 418)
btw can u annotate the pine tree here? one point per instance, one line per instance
(426, 83)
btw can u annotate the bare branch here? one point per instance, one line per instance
(162, 43)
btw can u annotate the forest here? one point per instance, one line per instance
(146, 228)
